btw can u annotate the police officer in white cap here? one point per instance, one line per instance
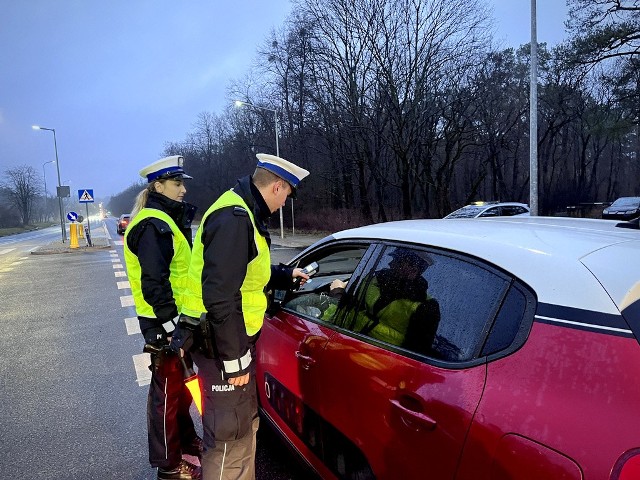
(229, 273)
(157, 250)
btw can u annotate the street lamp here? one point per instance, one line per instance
(240, 103)
(55, 145)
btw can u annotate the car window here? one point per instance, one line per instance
(313, 299)
(426, 303)
(626, 202)
(469, 211)
(507, 323)
(509, 210)
(491, 212)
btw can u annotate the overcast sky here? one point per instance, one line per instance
(118, 79)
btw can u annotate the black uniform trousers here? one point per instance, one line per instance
(229, 421)
(169, 423)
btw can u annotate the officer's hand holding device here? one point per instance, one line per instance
(308, 271)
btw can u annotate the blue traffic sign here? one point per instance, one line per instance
(72, 216)
(85, 195)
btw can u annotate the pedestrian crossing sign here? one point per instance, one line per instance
(85, 195)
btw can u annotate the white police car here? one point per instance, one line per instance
(490, 209)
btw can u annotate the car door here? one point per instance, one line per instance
(408, 404)
(296, 330)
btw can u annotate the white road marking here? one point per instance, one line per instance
(122, 285)
(120, 273)
(114, 255)
(118, 242)
(6, 250)
(115, 260)
(141, 363)
(127, 301)
(117, 265)
(133, 326)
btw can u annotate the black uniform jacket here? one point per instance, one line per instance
(152, 242)
(228, 247)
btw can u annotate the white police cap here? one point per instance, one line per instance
(167, 167)
(282, 168)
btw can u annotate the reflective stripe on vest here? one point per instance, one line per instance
(178, 268)
(254, 300)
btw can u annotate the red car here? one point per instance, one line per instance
(499, 349)
(123, 223)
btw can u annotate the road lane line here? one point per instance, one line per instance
(6, 250)
(117, 265)
(118, 242)
(127, 301)
(115, 260)
(120, 273)
(141, 363)
(122, 285)
(133, 326)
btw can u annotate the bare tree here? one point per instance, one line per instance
(23, 187)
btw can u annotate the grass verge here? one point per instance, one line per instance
(26, 228)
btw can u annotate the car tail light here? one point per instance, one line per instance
(628, 466)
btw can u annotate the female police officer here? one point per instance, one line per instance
(157, 251)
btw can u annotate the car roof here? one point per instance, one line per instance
(535, 249)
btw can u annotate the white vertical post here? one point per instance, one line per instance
(533, 116)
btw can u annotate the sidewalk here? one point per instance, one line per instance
(299, 240)
(99, 240)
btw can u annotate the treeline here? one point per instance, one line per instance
(404, 109)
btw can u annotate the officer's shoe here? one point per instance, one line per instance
(195, 448)
(184, 471)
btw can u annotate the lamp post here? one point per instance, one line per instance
(240, 103)
(55, 145)
(533, 114)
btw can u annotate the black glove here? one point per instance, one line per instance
(155, 336)
(182, 337)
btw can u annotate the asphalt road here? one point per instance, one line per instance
(72, 405)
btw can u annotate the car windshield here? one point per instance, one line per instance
(469, 211)
(626, 202)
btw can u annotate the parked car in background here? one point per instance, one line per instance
(461, 349)
(624, 208)
(123, 222)
(490, 209)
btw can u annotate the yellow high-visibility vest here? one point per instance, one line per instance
(178, 269)
(254, 300)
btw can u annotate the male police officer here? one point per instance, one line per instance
(229, 272)
(157, 250)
